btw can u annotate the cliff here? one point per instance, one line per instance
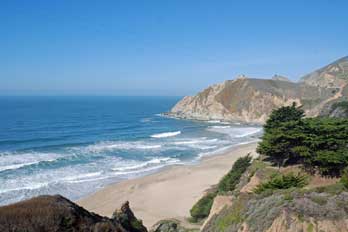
(251, 100)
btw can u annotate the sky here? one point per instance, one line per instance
(162, 47)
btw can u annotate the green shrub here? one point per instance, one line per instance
(344, 178)
(343, 105)
(231, 179)
(228, 183)
(285, 181)
(202, 208)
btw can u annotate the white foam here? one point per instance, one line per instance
(166, 134)
(214, 121)
(236, 132)
(220, 127)
(29, 187)
(18, 160)
(110, 146)
(250, 132)
(218, 122)
(16, 166)
(81, 176)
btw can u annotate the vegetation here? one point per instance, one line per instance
(228, 183)
(283, 114)
(231, 179)
(342, 105)
(285, 181)
(320, 144)
(282, 133)
(202, 208)
(344, 178)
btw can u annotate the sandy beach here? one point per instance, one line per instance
(166, 194)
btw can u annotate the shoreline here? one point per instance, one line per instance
(169, 193)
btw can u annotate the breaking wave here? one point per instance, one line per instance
(166, 134)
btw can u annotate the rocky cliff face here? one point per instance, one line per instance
(252, 100)
(333, 75)
(56, 213)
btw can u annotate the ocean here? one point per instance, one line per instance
(74, 146)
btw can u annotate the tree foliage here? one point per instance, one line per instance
(283, 114)
(320, 144)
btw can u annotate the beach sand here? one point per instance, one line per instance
(169, 193)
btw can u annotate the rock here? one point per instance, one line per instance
(219, 203)
(127, 219)
(56, 213)
(280, 78)
(333, 75)
(170, 226)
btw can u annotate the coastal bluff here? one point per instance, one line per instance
(251, 100)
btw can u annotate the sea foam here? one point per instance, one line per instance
(166, 134)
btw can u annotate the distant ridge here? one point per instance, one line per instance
(251, 100)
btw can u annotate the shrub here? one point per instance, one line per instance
(285, 181)
(231, 179)
(344, 178)
(342, 105)
(202, 208)
(228, 183)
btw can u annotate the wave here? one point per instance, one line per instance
(166, 134)
(236, 132)
(146, 166)
(153, 161)
(110, 146)
(218, 122)
(81, 177)
(20, 160)
(251, 132)
(16, 166)
(220, 127)
(30, 187)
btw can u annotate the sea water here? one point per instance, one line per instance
(74, 146)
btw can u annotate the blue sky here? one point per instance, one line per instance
(162, 47)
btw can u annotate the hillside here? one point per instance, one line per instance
(56, 213)
(320, 206)
(251, 100)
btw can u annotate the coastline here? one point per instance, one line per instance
(169, 193)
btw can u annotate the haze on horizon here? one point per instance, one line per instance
(162, 47)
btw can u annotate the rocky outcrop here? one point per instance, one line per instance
(127, 219)
(251, 100)
(56, 213)
(333, 75)
(171, 225)
(280, 78)
(220, 202)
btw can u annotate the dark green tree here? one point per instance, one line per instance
(283, 135)
(283, 114)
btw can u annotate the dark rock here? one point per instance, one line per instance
(56, 213)
(127, 219)
(170, 226)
